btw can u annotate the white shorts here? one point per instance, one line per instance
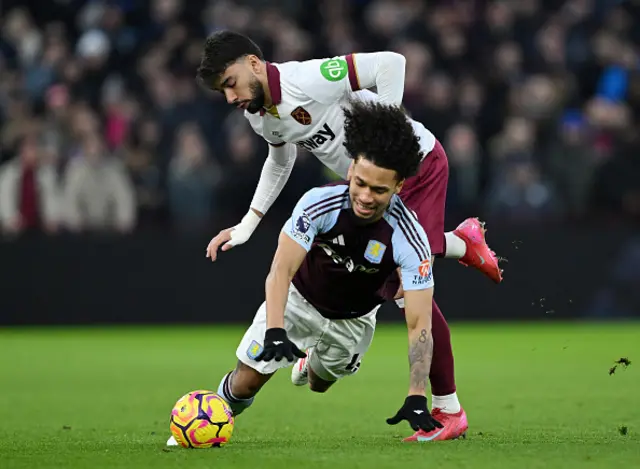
(338, 344)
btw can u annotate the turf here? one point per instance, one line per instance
(537, 396)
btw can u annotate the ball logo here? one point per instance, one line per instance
(424, 268)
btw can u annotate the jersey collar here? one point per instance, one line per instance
(273, 79)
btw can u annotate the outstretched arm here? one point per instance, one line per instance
(286, 262)
(412, 253)
(418, 316)
(274, 176)
(384, 70)
(295, 241)
(330, 80)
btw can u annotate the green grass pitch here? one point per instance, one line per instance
(537, 396)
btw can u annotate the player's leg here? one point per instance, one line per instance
(340, 350)
(467, 242)
(318, 383)
(428, 200)
(338, 353)
(240, 386)
(477, 252)
(442, 378)
(444, 400)
(302, 374)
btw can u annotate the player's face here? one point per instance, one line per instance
(241, 86)
(371, 188)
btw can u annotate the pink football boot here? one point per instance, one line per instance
(478, 254)
(454, 427)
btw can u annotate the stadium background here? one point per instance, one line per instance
(117, 170)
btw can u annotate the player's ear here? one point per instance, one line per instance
(350, 171)
(399, 186)
(254, 63)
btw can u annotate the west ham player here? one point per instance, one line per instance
(335, 252)
(298, 104)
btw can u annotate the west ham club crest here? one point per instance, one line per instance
(301, 116)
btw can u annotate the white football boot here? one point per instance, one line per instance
(300, 371)
(172, 441)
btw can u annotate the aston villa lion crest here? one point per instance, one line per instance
(301, 116)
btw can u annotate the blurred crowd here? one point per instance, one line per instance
(102, 125)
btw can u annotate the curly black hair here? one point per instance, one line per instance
(222, 49)
(382, 134)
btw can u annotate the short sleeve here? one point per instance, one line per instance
(316, 212)
(412, 254)
(327, 80)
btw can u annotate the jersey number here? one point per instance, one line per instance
(354, 364)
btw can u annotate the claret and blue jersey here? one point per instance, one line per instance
(348, 261)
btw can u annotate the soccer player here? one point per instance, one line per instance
(335, 252)
(298, 104)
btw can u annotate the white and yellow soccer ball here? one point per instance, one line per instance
(201, 419)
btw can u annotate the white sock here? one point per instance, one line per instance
(237, 405)
(456, 247)
(448, 404)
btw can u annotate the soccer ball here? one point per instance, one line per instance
(201, 419)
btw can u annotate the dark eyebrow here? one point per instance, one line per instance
(384, 188)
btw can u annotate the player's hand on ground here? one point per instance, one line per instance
(278, 346)
(221, 239)
(414, 410)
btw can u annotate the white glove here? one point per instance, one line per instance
(243, 230)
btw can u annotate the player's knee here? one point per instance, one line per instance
(319, 387)
(246, 382)
(317, 384)
(319, 390)
(246, 389)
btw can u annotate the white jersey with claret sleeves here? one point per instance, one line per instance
(309, 97)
